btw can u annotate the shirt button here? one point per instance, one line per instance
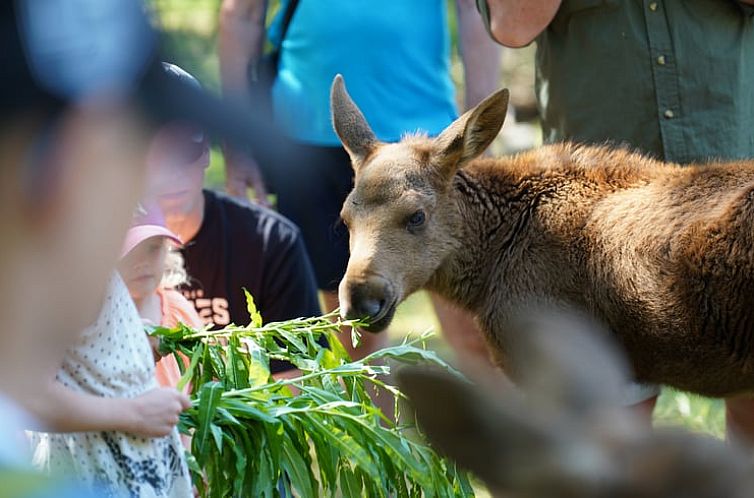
(661, 60)
(653, 6)
(669, 114)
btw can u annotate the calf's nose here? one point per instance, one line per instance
(365, 300)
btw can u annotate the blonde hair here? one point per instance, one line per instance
(175, 269)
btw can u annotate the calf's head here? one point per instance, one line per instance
(402, 217)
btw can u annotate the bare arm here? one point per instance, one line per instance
(516, 23)
(240, 43)
(152, 414)
(480, 55)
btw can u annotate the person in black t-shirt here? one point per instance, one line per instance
(229, 245)
(247, 246)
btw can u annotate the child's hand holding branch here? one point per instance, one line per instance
(152, 414)
(156, 412)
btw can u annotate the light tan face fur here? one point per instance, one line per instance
(401, 215)
(400, 222)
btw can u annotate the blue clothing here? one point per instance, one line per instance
(393, 54)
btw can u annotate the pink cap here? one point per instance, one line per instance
(148, 222)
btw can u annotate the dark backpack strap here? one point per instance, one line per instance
(262, 72)
(290, 9)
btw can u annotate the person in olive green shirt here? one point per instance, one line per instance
(673, 78)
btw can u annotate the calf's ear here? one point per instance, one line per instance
(350, 125)
(470, 135)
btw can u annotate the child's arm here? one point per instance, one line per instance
(153, 414)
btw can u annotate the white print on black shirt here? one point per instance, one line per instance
(211, 310)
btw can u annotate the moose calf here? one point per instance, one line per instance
(663, 255)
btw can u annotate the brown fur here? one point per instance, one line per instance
(662, 254)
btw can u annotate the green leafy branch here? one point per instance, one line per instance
(316, 434)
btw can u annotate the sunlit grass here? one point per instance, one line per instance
(695, 413)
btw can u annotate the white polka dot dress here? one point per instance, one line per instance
(113, 359)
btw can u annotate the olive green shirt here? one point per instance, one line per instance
(674, 78)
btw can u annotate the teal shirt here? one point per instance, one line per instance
(393, 54)
(674, 78)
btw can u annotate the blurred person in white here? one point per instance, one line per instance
(107, 421)
(73, 141)
(86, 158)
(61, 156)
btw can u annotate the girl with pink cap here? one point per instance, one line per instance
(105, 418)
(120, 433)
(152, 270)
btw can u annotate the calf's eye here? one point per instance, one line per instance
(416, 220)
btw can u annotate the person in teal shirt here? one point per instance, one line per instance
(395, 56)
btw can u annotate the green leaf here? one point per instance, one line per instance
(259, 364)
(256, 317)
(237, 366)
(337, 348)
(192, 464)
(355, 453)
(298, 471)
(292, 340)
(326, 359)
(372, 487)
(355, 337)
(306, 364)
(226, 418)
(240, 409)
(209, 397)
(270, 436)
(189, 373)
(240, 480)
(350, 484)
(267, 478)
(407, 353)
(216, 360)
(217, 435)
(207, 367)
(327, 460)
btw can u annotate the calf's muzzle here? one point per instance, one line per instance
(371, 298)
